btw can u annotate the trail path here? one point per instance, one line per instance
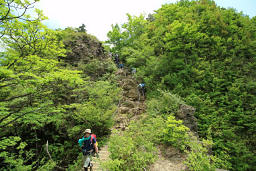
(169, 159)
(130, 108)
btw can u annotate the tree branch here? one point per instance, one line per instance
(8, 12)
(1, 120)
(10, 7)
(47, 151)
(2, 86)
(18, 118)
(15, 97)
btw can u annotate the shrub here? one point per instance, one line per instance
(135, 149)
(198, 158)
(164, 103)
(175, 133)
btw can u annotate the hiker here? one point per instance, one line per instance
(141, 89)
(121, 65)
(89, 146)
(116, 59)
(133, 71)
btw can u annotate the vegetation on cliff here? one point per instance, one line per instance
(206, 55)
(198, 63)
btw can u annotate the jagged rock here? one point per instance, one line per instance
(83, 48)
(123, 109)
(121, 118)
(133, 94)
(130, 82)
(127, 87)
(135, 111)
(121, 72)
(129, 104)
(186, 113)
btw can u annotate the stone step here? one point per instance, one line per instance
(130, 108)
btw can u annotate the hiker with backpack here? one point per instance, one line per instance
(133, 71)
(141, 90)
(116, 59)
(89, 147)
(121, 65)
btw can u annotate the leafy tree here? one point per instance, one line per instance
(82, 28)
(12, 10)
(41, 100)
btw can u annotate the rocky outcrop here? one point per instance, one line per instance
(83, 48)
(186, 113)
(85, 53)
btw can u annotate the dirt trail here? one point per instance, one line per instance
(130, 108)
(169, 159)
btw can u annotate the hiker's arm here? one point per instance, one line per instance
(80, 141)
(96, 147)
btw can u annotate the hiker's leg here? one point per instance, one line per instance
(90, 156)
(139, 94)
(87, 161)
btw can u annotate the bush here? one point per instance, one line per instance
(164, 104)
(176, 134)
(198, 158)
(97, 68)
(135, 149)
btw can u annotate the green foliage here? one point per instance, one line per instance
(163, 104)
(206, 55)
(113, 164)
(198, 159)
(12, 144)
(33, 38)
(135, 149)
(125, 36)
(176, 134)
(78, 164)
(50, 165)
(43, 99)
(98, 68)
(8, 11)
(81, 28)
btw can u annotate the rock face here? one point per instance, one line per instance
(186, 113)
(83, 48)
(85, 53)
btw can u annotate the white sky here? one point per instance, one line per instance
(98, 15)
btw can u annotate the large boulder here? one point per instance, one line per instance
(186, 113)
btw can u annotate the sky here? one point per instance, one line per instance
(98, 15)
